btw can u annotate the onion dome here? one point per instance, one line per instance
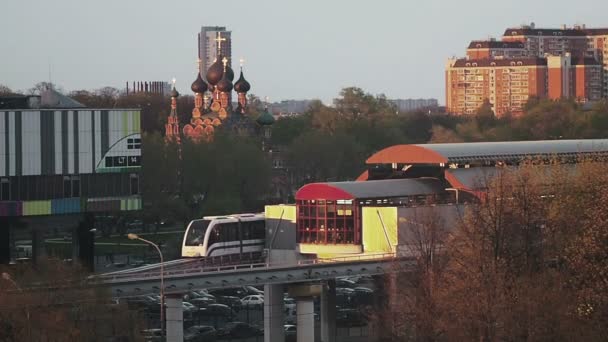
(265, 119)
(229, 73)
(174, 93)
(241, 85)
(224, 85)
(199, 86)
(215, 72)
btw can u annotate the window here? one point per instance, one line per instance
(71, 186)
(134, 143)
(134, 184)
(5, 189)
(327, 222)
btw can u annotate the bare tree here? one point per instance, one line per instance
(51, 303)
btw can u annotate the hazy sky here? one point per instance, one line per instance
(293, 49)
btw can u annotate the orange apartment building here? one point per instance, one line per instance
(506, 83)
(529, 62)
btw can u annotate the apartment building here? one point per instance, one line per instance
(529, 62)
(506, 83)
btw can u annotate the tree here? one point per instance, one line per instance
(354, 104)
(4, 90)
(526, 263)
(41, 86)
(51, 303)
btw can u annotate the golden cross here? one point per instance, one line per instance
(219, 41)
(225, 61)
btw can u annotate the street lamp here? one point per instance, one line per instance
(132, 236)
(8, 277)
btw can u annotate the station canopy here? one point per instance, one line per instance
(487, 151)
(370, 189)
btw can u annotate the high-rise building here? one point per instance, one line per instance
(506, 83)
(208, 40)
(529, 62)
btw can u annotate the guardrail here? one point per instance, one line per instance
(134, 275)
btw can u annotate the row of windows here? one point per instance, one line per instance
(235, 231)
(34, 188)
(327, 222)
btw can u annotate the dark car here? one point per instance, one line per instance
(202, 302)
(239, 330)
(239, 292)
(231, 301)
(350, 318)
(217, 310)
(200, 333)
(152, 335)
(345, 283)
(291, 333)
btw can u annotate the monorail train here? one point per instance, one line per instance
(216, 236)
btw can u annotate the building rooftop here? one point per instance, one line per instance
(370, 189)
(486, 151)
(528, 31)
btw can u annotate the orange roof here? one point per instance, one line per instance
(406, 154)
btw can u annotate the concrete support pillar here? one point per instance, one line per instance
(174, 318)
(273, 313)
(305, 310)
(38, 248)
(5, 240)
(328, 311)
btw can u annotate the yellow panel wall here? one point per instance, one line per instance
(378, 224)
(31, 208)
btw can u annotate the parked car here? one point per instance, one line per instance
(343, 282)
(255, 301)
(289, 303)
(363, 296)
(291, 333)
(218, 310)
(152, 335)
(350, 318)
(253, 290)
(231, 301)
(200, 333)
(239, 292)
(202, 302)
(189, 309)
(239, 330)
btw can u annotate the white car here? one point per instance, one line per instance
(256, 301)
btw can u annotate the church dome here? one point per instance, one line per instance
(215, 72)
(241, 85)
(265, 119)
(224, 85)
(229, 73)
(174, 93)
(199, 86)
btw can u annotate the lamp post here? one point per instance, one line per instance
(8, 277)
(162, 282)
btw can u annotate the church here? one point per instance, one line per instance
(213, 108)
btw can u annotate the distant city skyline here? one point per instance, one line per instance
(301, 50)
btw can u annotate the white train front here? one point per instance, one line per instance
(217, 236)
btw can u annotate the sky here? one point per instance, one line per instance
(293, 49)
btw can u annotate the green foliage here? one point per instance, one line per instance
(230, 174)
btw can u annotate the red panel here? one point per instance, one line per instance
(322, 191)
(406, 154)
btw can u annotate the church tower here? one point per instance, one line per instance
(172, 132)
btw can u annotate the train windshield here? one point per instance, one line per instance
(196, 233)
